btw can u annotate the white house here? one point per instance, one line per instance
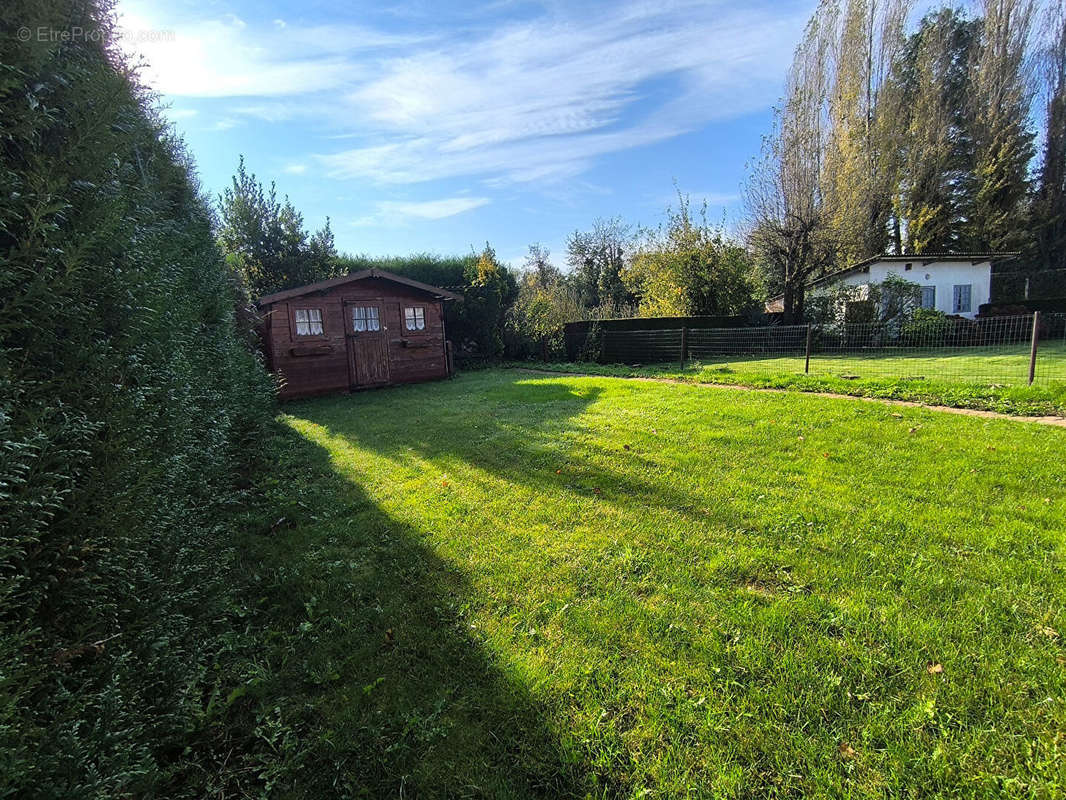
(955, 283)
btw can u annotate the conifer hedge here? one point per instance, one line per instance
(130, 407)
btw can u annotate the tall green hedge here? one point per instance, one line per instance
(129, 407)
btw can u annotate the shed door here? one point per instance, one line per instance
(368, 349)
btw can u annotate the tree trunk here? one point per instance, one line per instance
(793, 304)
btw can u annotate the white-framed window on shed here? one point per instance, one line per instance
(308, 321)
(929, 297)
(961, 298)
(365, 318)
(414, 318)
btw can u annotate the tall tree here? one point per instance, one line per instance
(929, 86)
(1001, 99)
(264, 238)
(490, 290)
(1050, 205)
(597, 258)
(858, 167)
(539, 269)
(788, 227)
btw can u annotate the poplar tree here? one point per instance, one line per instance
(789, 230)
(929, 84)
(1050, 203)
(1001, 98)
(858, 169)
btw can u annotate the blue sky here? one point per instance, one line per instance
(435, 127)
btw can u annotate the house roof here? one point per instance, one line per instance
(322, 286)
(923, 258)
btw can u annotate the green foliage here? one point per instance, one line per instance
(929, 82)
(925, 325)
(1049, 207)
(689, 268)
(264, 239)
(448, 272)
(480, 318)
(128, 408)
(892, 301)
(597, 258)
(545, 302)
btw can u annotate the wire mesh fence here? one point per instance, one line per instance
(993, 350)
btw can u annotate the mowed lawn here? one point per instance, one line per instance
(1004, 364)
(988, 378)
(514, 586)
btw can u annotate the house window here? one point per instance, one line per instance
(308, 321)
(365, 318)
(929, 297)
(961, 300)
(414, 318)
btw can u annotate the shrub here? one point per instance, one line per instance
(128, 407)
(925, 326)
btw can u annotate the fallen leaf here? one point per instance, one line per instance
(801, 438)
(898, 416)
(911, 430)
(847, 750)
(1049, 632)
(558, 472)
(625, 447)
(935, 669)
(597, 490)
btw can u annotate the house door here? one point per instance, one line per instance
(368, 348)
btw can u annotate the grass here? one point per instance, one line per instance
(994, 380)
(507, 586)
(1007, 364)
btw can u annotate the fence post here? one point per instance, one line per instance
(807, 361)
(1032, 350)
(684, 345)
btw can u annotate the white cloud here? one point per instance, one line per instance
(227, 57)
(295, 169)
(542, 100)
(396, 212)
(533, 101)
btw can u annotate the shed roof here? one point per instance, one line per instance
(332, 283)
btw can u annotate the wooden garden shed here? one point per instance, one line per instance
(366, 329)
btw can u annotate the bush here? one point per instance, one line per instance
(925, 326)
(128, 409)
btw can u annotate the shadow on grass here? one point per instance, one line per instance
(358, 674)
(521, 431)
